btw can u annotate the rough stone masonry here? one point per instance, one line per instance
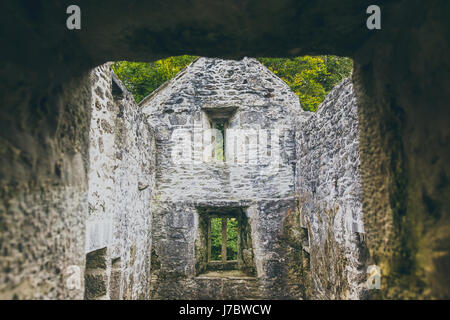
(298, 184)
(121, 181)
(290, 178)
(401, 78)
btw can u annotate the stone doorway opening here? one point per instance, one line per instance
(224, 243)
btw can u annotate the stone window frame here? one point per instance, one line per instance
(203, 242)
(218, 118)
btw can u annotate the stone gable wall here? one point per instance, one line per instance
(264, 103)
(261, 183)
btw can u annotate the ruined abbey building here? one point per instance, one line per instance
(222, 140)
(268, 156)
(85, 178)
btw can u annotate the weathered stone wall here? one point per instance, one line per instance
(64, 200)
(329, 190)
(401, 79)
(257, 180)
(121, 182)
(43, 177)
(305, 241)
(402, 89)
(264, 103)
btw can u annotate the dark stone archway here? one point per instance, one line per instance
(402, 76)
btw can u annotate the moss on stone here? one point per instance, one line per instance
(96, 259)
(95, 286)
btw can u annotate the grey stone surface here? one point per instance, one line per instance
(121, 182)
(260, 182)
(400, 79)
(44, 197)
(294, 174)
(323, 159)
(330, 195)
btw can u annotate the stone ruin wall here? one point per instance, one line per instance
(309, 231)
(44, 194)
(265, 192)
(404, 144)
(329, 190)
(121, 183)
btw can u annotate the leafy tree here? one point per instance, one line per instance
(311, 78)
(232, 238)
(143, 78)
(216, 239)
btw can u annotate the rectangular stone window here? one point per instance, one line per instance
(218, 139)
(217, 121)
(224, 241)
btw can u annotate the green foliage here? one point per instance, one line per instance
(142, 78)
(232, 238)
(311, 78)
(216, 238)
